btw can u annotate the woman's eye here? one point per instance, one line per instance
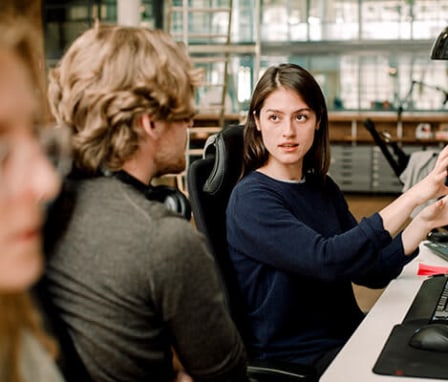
(301, 117)
(273, 117)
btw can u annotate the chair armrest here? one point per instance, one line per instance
(278, 371)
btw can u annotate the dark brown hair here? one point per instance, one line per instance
(296, 78)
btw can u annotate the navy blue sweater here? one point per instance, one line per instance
(296, 249)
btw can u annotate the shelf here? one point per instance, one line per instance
(348, 126)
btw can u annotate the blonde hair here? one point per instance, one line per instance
(109, 76)
(17, 312)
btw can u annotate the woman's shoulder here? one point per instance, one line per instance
(254, 182)
(324, 183)
(333, 188)
(258, 180)
(330, 183)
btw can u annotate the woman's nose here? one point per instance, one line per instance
(46, 181)
(288, 129)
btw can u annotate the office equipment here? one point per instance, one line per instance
(355, 361)
(439, 50)
(429, 303)
(411, 348)
(395, 156)
(439, 248)
(432, 337)
(438, 236)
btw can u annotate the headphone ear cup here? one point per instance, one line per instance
(173, 199)
(176, 201)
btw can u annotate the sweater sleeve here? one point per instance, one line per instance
(390, 259)
(388, 266)
(188, 295)
(260, 225)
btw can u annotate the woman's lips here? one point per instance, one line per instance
(289, 146)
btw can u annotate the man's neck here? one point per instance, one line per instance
(125, 177)
(137, 171)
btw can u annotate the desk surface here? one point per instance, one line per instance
(355, 361)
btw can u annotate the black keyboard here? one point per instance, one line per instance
(430, 303)
(440, 249)
(441, 312)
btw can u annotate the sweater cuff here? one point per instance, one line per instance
(374, 228)
(397, 256)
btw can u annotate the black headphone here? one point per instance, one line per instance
(171, 197)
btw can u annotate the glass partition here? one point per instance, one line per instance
(367, 54)
(333, 20)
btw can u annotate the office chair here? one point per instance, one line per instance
(210, 181)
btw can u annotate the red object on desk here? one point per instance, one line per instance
(431, 270)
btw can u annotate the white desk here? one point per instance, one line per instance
(355, 361)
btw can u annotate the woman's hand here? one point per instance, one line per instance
(433, 216)
(396, 214)
(433, 185)
(436, 214)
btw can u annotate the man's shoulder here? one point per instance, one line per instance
(130, 212)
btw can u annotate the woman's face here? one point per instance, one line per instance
(287, 126)
(27, 179)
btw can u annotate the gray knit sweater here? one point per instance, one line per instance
(131, 280)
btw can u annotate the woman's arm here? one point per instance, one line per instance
(308, 235)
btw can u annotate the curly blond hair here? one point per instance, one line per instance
(109, 76)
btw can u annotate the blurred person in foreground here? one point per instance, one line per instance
(27, 183)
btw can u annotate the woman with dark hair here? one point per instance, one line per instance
(291, 77)
(294, 244)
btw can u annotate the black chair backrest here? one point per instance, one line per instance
(210, 181)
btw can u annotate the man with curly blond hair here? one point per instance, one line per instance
(130, 279)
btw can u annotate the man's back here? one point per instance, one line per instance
(131, 280)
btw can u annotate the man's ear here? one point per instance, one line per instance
(147, 124)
